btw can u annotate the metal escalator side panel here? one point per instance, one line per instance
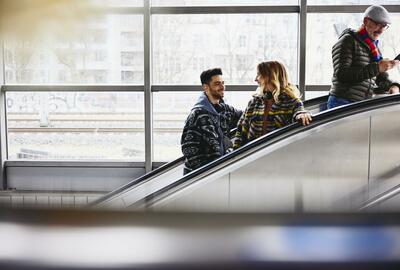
(267, 179)
(149, 185)
(121, 197)
(341, 170)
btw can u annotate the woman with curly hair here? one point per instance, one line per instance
(275, 104)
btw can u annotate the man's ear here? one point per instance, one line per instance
(365, 20)
(205, 87)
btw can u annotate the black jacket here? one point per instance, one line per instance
(202, 139)
(355, 75)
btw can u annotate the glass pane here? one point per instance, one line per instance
(322, 33)
(107, 50)
(352, 2)
(170, 112)
(185, 45)
(223, 2)
(314, 94)
(75, 125)
(118, 3)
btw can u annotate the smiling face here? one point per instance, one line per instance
(263, 82)
(374, 29)
(259, 79)
(215, 89)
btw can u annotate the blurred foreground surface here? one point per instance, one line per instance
(55, 239)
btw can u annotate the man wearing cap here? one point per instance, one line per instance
(359, 69)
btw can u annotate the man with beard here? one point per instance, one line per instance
(359, 68)
(205, 136)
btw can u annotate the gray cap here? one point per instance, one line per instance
(378, 14)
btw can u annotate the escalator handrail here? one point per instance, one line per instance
(141, 179)
(380, 198)
(272, 137)
(169, 165)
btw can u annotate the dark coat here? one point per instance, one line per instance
(202, 139)
(355, 75)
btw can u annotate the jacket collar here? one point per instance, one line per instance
(354, 34)
(204, 103)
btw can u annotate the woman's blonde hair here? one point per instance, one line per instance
(275, 73)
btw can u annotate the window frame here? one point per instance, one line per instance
(147, 11)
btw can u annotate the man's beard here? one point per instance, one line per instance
(218, 95)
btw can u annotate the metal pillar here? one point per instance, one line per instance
(302, 46)
(148, 99)
(3, 138)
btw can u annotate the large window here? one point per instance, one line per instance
(322, 33)
(185, 45)
(94, 52)
(123, 3)
(103, 47)
(75, 125)
(222, 2)
(352, 2)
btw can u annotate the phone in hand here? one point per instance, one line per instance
(397, 57)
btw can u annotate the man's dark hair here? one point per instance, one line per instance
(206, 75)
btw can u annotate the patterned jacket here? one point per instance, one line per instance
(281, 114)
(356, 76)
(203, 136)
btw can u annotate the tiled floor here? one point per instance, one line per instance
(46, 199)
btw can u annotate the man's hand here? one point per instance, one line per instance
(304, 118)
(386, 64)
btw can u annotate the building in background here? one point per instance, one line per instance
(108, 49)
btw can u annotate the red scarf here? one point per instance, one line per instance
(376, 56)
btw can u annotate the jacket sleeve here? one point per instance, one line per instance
(242, 132)
(199, 133)
(384, 83)
(342, 57)
(298, 107)
(236, 114)
(190, 139)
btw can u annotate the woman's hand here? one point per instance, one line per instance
(394, 90)
(304, 118)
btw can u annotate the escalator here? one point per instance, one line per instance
(346, 157)
(346, 160)
(169, 173)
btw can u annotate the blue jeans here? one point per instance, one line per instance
(336, 102)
